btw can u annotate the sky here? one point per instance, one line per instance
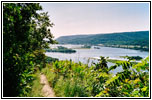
(95, 18)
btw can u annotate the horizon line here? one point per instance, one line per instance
(102, 33)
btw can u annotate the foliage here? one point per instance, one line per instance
(141, 47)
(50, 59)
(131, 82)
(115, 60)
(24, 30)
(34, 88)
(61, 49)
(70, 79)
(86, 46)
(139, 38)
(96, 47)
(132, 57)
(24, 34)
(102, 65)
(144, 65)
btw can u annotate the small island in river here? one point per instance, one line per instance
(61, 49)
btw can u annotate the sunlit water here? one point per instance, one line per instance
(86, 55)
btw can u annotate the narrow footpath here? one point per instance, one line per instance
(46, 90)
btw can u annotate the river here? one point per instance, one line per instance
(86, 55)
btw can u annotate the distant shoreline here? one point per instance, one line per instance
(133, 47)
(129, 47)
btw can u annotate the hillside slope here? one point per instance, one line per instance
(125, 38)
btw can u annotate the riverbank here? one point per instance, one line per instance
(83, 55)
(134, 47)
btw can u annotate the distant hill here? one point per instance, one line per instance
(124, 38)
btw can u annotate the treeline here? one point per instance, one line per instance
(135, 47)
(24, 30)
(139, 38)
(70, 79)
(86, 46)
(132, 57)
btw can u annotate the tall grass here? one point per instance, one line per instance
(36, 87)
(70, 79)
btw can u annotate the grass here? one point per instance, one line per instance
(49, 74)
(69, 79)
(58, 86)
(36, 87)
(64, 87)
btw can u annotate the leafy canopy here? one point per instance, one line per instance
(24, 33)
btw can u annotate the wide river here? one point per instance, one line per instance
(83, 55)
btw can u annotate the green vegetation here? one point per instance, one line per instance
(70, 79)
(50, 59)
(96, 47)
(132, 57)
(61, 49)
(24, 30)
(139, 40)
(115, 61)
(135, 47)
(24, 34)
(35, 87)
(86, 46)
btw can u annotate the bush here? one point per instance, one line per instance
(23, 44)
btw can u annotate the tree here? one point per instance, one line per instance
(24, 30)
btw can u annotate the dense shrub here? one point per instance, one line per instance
(24, 30)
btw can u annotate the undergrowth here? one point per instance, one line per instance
(36, 87)
(69, 79)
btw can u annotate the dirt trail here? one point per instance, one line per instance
(46, 90)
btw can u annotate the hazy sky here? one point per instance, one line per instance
(93, 18)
